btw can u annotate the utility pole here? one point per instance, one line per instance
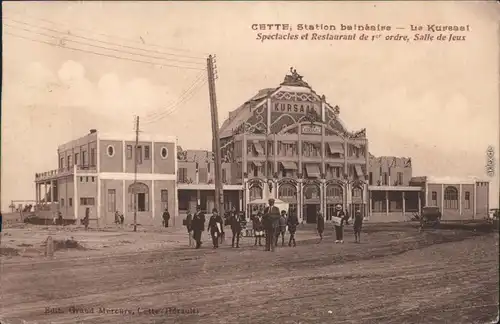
(135, 172)
(215, 136)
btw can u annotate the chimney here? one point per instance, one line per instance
(92, 131)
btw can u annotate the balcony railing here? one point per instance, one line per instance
(64, 172)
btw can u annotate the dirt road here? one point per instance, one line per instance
(396, 275)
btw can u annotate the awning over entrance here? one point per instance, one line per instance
(335, 147)
(313, 171)
(359, 171)
(257, 164)
(258, 148)
(289, 165)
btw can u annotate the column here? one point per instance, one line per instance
(460, 199)
(322, 149)
(153, 199)
(123, 199)
(275, 154)
(404, 204)
(322, 196)
(268, 121)
(99, 207)
(244, 153)
(419, 203)
(247, 198)
(37, 192)
(198, 197)
(240, 200)
(300, 200)
(442, 198)
(371, 203)
(300, 169)
(75, 192)
(474, 202)
(387, 203)
(45, 192)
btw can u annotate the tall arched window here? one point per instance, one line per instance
(138, 194)
(451, 198)
(357, 192)
(287, 190)
(255, 192)
(334, 191)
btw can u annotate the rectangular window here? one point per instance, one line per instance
(70, 202)
(70, 162)
(111, 200)
(146, 152)
(76, 158)
(129, 152)
(400, 178)
(434, 198)
(182, 175)
(81, 179)
(84, 158)
(138, 154)
(61, 163)
(164, 199)
(467, 200)
(371, 179)
(92, 157)
(93, 179)
(62, 202)
(87, 201)
(386, 179)
(86, 179)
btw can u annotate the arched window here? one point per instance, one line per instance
(287, 190)
(451, 198)
(138, 193)
(334, 191)
(357, 192)
(255, 192)
(311, 192)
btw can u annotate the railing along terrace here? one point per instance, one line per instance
(86, 168)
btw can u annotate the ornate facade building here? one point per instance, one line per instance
(289, 143)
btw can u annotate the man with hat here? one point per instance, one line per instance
(271, 223)
(198, 225)
(339, 218)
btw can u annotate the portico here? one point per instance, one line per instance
(393, 203)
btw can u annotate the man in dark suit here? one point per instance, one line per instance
(198, 225)
(271, 224)
(235, 221)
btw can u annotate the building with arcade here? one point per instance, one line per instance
(286, 142)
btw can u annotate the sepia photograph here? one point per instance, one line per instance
(250, 162)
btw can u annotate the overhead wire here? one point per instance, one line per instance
(102, 54)
(18, 13)
(173, 102)
(67, 39)
(174, 108)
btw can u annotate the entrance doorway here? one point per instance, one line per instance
(311, 212)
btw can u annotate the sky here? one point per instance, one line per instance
(436, 102)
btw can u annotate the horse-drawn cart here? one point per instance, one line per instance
(430, 217)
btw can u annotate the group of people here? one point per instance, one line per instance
(270, 223)
(195, 225)
(341, 218)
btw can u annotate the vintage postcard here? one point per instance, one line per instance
(249, 162)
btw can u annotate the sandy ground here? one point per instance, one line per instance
(396, 275)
